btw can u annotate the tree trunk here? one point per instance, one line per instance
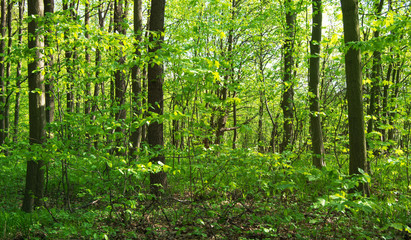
(376, 79)
(155, 95)
(120, 83)
(2, 71)
(87, 107)
(358, 151)
(18, 75)
(136, 133)
(8, 69)
(313, 81)
(385, 109)
(260, 137)
(288, 92)
(37, 115)
(49, 83)
(70, 69)
(222, 111)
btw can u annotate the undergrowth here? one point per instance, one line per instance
(213, 193)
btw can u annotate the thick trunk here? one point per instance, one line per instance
(155, 95)
(358, 151)
(314, 79)
(37, 116)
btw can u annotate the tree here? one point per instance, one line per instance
(2, 72)
(313, 80)
(18, 74)
(35, 173)
(358, 153)
(136, 134)
(373, 109)
(70, 54)
(49, 83)
(120, 82)
(288, 92)
(155, 93)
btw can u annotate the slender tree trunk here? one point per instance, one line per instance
(234, 123)
(358, 151)
(222, 111)
(37, 116)
(376, 79)
(385, 109)
(119, 75)
(70, 69)
(18, 75)
(313, 81)
(260, 123)
(395, 93)
(49, 82)
(87, 107)
(2, 71)
(8, 69)
(155, 94)
(288, 92)
(98, 86)
(136, 133)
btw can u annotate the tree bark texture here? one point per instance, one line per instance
(155, 94)
(358, 151)
(288, 93)
(314, 79)
(49, 82)
(2, 71)
(18, 75)
(37, 103)
(136, 133)
(373, 110)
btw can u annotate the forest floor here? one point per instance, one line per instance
(248, 196)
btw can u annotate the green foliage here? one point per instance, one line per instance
(95, 189)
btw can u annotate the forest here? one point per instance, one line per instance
(205, 119)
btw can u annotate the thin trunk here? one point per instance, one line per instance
(8, 69)
(136, 134)
(260, 123)
(69, 65)
(119, 75)
(393, 106)
(234, 123)
(385, 108)
(2, 71)
(18, 74)
(288, 92)
(88, 59)
(313, 81)
(376, 79)
(222, 111)
(49, 82)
